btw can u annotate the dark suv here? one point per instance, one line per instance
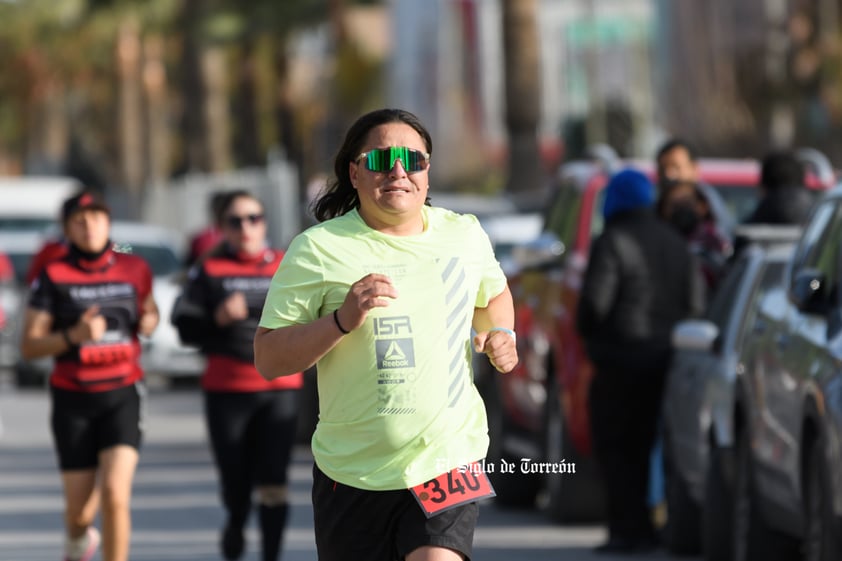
(539, 411)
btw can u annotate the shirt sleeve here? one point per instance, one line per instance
(493, 279)
(42, 293)
(192, 314)
(297, 291)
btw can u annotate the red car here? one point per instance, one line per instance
(7, 276)
(523, 422)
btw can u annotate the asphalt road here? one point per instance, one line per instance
(176, 512)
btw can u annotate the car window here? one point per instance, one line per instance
(20, 263)
(823, 251)
(726, 296)
(597, 220)
(812, 234)
(25, 224)
(562, 219)
(740, 200)
(827, 256)
(162, 260)
(770, 277)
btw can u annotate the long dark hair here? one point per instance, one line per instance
(340, 196)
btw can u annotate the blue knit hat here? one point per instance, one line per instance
(627, 190)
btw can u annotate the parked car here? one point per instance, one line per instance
(33, 202)
(19, 247)
(8, 309)
(508, 230)
(163, 249)
(699, 393)
(540, 409)
(783, 444)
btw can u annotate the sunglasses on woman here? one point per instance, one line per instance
(236, 222)
(383, 159)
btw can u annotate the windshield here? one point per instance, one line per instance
(162, 260)
(739, 200)
(25, 223)
(20, 263)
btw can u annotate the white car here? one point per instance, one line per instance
(19, 247)
(33, 202)
(163, 249)
(507, 231)
(506, 225)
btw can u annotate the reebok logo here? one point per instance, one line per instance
(395, 353)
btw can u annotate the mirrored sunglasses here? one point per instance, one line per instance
(383, 159)
(236, 222)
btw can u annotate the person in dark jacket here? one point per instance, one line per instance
(685, 207)
(677, 161)
(785, 198)
(251, 421)
(641, 279)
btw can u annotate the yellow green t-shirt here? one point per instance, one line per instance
(397, 402)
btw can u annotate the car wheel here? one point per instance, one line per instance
(753, 539)
(718, 515)
(515, 489)
(576, 495)
(820, 543)
(682, 532)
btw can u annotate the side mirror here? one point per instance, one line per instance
(542, 252)
(695, 335)
(818, 163)
(809, 292)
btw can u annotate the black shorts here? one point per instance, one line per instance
(353, 523)
(84, 424)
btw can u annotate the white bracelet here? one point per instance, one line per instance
(505, 330)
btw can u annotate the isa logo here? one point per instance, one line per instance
(395, 353)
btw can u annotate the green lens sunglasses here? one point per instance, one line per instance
(383, 159)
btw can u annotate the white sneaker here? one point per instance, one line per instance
(93, 538)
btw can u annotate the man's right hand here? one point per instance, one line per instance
(90, 327)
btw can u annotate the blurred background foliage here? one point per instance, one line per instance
(214, 71)
(128, 94)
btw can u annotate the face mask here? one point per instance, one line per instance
(684, 218)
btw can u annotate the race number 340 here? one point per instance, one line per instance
(456, 487)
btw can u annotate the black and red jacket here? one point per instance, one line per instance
(118, 283)
(230, 349)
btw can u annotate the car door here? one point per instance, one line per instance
(536, 289)
(573, 367)
(814, 359)
(778, 385)
(692, 371)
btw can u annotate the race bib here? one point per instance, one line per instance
(105, 355)
(464, 484)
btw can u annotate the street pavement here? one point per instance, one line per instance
(175, 507)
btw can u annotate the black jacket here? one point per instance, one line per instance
(211, 282)
(641, 279)
(785, 205)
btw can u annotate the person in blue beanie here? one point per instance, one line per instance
(641, 279)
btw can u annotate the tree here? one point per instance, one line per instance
(520, 48)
